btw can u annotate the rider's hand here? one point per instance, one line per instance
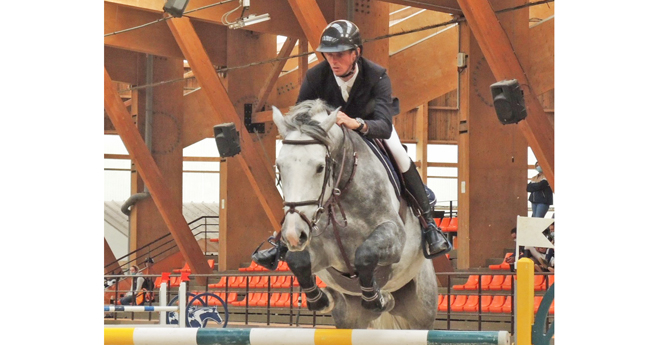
(349, 122)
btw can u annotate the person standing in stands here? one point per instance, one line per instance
(540, 193)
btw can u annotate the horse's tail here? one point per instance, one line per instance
(389, 321)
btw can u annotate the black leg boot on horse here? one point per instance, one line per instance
(436, 240)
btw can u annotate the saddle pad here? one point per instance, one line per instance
(379, 150)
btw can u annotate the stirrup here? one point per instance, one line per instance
(425, 245)
(268, 258)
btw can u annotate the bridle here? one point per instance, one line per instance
(334, 199)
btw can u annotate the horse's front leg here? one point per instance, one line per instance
(384, 246)
(300, 264)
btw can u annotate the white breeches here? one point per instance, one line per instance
(400, 155)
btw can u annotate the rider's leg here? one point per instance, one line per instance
(436, 241)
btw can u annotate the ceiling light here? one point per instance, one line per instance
(249, 20)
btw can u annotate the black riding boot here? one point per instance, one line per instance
(269, 258)
(436, 240)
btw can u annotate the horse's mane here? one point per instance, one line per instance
(299, 118)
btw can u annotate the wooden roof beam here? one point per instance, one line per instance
(252, 161)
(311, 21)
(274, 74)
(423, 72)
(504, 63)
(153, 179)
(446, 6)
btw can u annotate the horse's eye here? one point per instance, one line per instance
(319, 169)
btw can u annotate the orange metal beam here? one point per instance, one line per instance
(153, 178)
(505, 64)
(252, 161)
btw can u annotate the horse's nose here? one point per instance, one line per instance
(296, 240)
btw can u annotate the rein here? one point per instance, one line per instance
(334, 199)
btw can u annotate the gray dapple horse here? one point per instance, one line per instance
(337, 191)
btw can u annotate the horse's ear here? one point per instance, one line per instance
(278, 118)
(330, 120)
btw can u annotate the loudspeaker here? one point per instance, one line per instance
(509, 101)
(227, 140)
(175, 7)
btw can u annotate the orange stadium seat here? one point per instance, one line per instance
(252, 267)
(235, 282)
(442, 306)
(495, 305)
(472, 281)
(444, 224)
(284, 301)
(472, 304)
(453, 225)
(537, 303)
(495, 283)
(506, 285)
(320, 283)
(539, 282)
(277, 282)
(503, 265)
(440, 299)
(221, 283)
(255, 281)
(458, 303)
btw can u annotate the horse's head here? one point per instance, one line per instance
(304, 163)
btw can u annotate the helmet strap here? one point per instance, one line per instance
(352, 70)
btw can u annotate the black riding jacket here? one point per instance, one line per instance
(370, 97)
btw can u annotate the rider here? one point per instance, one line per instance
(363, 91)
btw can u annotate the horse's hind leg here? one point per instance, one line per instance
(417, 301)
(348, 313)
(300, 264)
(384, 247)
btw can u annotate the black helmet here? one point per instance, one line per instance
(338, 36)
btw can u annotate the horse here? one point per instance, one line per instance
(345, 223)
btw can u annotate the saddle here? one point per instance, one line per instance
(395, 176)
(383, 153)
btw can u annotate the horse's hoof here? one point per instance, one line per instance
(384, 303)
(323, 304)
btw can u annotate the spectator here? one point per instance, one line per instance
(548, 262)
(522, 253)
(136, 286)
(540, 193)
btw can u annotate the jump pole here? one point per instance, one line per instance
(298, 336)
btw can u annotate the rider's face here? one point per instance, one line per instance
(341, 62)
